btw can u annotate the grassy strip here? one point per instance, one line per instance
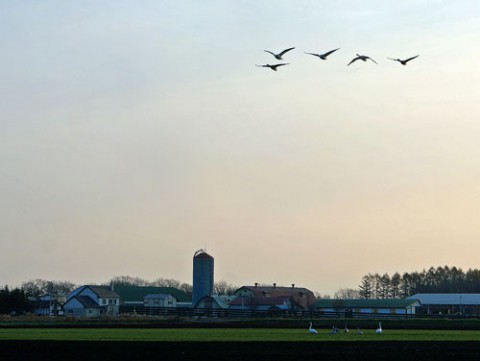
(269, 323)
(244, 334)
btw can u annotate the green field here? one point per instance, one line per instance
(227, 334)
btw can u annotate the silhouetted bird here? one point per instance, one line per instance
(404, 62)
(272, 66)
(279, 55)
(361, 57)
(323, 56)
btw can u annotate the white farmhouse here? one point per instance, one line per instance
(92, 301)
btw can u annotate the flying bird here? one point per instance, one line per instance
(404, 62)
(361, 57)
(279, 55)
(379, 329)
(312, 330)
(272, 66)
(323, 56)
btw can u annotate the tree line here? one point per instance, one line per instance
(40, 287)
(13, 301)
(434, 280)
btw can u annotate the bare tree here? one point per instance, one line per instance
(166, 282)
(346, 294)
(319, 296)
(224, 288)
(187, 288)
(128, 281)
(39, 287)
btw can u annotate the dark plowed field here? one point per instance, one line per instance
(231, 351)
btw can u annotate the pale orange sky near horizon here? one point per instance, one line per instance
(135, 133)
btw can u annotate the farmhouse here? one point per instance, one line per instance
(448, 303)
(92, 301)
(368, 306)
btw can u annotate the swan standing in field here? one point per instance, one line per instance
(359, 332)
(379, 329)
(346, 330)
(279, 55)
(312, 330)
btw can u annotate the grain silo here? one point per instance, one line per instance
(202, 275)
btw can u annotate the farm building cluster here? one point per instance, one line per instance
(104, 301)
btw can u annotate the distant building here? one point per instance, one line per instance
(46, 306)
(275, 303)
(135, 295)
(374, 306)
(215, 302)
(203, 270)
(448, 303)
(300, 297)
(159, 300)
(92, 301)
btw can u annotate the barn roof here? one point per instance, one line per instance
(365, 303)
(448, 298)
(137, 293)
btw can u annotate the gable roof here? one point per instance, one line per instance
(85, 301)
(222, 301)
(366, 303)
(104, 291)
(262, 290)
(301, 296)
(448, 298)
(137, 293)
(100, 291)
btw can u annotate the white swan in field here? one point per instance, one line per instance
(379, 329)
(359, 332)
(334, 330)
(312, 330)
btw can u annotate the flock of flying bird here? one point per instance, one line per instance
(335, 330)
(324, 56)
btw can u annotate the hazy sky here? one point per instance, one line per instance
(133, 133)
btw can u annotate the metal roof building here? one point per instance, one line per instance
(449, 303)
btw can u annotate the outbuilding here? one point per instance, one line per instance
(461, 304)
(367, 306)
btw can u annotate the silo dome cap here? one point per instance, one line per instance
(201, 253)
